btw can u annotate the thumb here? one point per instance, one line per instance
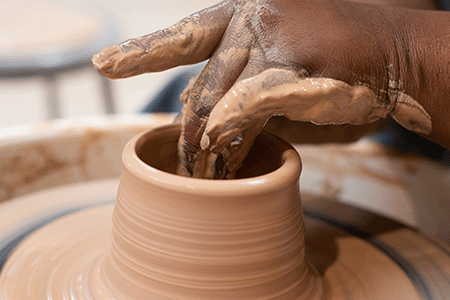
(283, 92)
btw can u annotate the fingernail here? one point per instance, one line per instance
(204, 142)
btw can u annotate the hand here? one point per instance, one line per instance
(321, 61)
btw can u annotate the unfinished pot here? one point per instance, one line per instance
(173, 237)
(183, 238)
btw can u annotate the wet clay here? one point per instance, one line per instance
(223, 115)
(249, 81)
(172, 237)
(177, 238)
(188, 41)
(129, 58)
(243, 111)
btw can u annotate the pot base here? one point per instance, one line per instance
(352, 261)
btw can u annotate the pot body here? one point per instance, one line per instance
(184, 238)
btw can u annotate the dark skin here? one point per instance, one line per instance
(397, 53)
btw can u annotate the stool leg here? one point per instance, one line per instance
(108, 98)
(53, 107)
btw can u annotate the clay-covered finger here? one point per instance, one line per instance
(189, 41)
(210, 86)
(240, 106)
(219, 75)
(284, 92)
(236, 151)
(227, 162)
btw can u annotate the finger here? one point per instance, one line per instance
(411, 115)
(283, 92)
(257, 63)
(210, 86)
(227, 162)
(236, 151)
(216, 165)
(189, 41)
(219, 75)
(241, 108)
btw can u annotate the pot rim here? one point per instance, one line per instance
(286, 174)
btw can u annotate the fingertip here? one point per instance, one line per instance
(222, 140)
(212, 139)
(96, 60)
(205, 142)
(105, 61)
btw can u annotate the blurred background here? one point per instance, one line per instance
(46, 48)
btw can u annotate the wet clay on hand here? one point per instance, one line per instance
(322, 101)
(240, 115)
(258, 67)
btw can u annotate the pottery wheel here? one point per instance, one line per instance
(357, 254)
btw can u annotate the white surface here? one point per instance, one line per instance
(23, 101)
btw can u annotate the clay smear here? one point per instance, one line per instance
(322, 101)
(139, 55)
(189, 41)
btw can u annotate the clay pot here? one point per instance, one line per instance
(173, 237)
(183, 238)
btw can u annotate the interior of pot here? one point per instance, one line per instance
(158, 149)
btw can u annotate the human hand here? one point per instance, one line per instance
(327, 62)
